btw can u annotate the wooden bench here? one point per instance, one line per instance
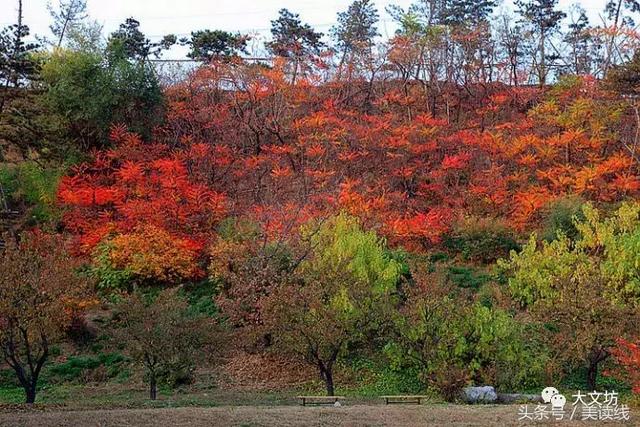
(404, 399)
(319, 400)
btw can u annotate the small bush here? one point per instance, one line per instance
(375, 378)
(450, 382)
(466, 277)
(74, 366)
(111, 280)
(87, 368)
(34, 186)
(11, 395)
(201, 298)
(482, 239)
(558, 217)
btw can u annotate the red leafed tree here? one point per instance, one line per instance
(144, 197)
(627, 354)
(243, 141)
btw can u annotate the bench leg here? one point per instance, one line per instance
(303, 402)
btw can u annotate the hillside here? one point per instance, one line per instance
(450, 208)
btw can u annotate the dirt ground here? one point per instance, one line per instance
(283, 416)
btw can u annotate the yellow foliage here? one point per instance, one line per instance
(152, 253)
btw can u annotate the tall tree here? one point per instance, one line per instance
(338, 295)
(579, 40)
(615, 11)
(207, 45)
(544, 19)
(90, 94)
(355, 32)
(40, 291)
(131, 43)
(471, 37)
(86, 36)
(163, 335)
(17, 64)
(293, 40)
(68, 14)
(468, 13)
(429, 12)
(512, 42)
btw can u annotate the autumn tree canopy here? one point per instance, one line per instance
(40, 293)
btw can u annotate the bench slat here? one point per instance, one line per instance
(319, 399)
(404, 399)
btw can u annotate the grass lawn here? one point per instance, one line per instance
(204, 403)
(120, 405)
(124, 396)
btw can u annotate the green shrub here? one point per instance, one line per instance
(111, 359)
(11, 395)
(110, 279)
(90, 93)
(482, 239)
(377, 377)
(450, 343)
(438, 256)
(35, 186)
(558, 217)
(466, 277)
(75, 368)
(201, 298)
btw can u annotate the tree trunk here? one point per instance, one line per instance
(326, 372)
(609, 53)
(543, 64)
(597, 356)
(30, 392)
(592, 374)
(328, 379)
(153, 387)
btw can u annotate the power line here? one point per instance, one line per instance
(266, 29)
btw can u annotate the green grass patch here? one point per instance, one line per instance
(376, 378)
(33, 185)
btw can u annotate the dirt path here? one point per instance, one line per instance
(284, 416)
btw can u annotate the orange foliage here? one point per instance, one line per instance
(627, 354)
(152, 253)
(137, 191)
(241, 140)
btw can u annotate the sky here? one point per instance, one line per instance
(180, 17)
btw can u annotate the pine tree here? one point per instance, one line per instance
(293, 40)
(17, 64)
(69, 14)
(356, 28)
(544, 19)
